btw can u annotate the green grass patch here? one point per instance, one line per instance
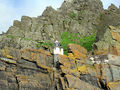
(11, 36)
(85, 41)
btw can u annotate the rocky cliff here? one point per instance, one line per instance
(108, 17)
(25, 67)
(75, 16)
(33, 69)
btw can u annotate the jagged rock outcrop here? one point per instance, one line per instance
(109, 43)
(107, 18)
(26, 69)
(75, 16)
(84, 74)
(33, 69)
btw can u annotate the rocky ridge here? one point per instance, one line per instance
(25, 67)
(78, 16)
(33, 69)
(110, 42)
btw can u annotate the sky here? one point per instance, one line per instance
(11, 10)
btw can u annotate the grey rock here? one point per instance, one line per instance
(75, 16)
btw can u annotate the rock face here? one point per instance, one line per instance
(107, 18)
(25, 69)
(110, 42)
(83, 74)
(75, 16)
(78, 51)
(32, 69)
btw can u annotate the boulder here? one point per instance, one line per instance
(78, 51)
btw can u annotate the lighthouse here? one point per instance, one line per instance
(58, 50)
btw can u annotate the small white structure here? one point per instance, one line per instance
(57, 52)
(57, 48)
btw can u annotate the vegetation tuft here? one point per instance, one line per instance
(85, 41)
(66, 38)
(11, 36)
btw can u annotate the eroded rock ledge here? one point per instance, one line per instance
(26, 69)
(32, 69)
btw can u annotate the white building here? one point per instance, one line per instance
(57, 52)
(57, 48)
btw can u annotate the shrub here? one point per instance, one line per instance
(85, 41)
(66, 39)
(88, 41)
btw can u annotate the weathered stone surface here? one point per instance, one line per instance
(76, 83)
(116, 36)
(25, 72)
(115, 49)
(76, 16)
(78, 51)
(107, 18)
(114, 85)
(72, 47)
(114, 60)
(2, 67)
(10, 53)
(97, 75)
(27, 82)
(109, 43)
(41, 57)
(8, 60)
(32, 69)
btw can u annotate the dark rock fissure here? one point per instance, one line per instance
(103, 85)
(111, 71)
(17, 82)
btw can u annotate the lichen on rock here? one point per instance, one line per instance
(26, 57)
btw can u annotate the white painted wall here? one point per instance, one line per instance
(58, 50)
